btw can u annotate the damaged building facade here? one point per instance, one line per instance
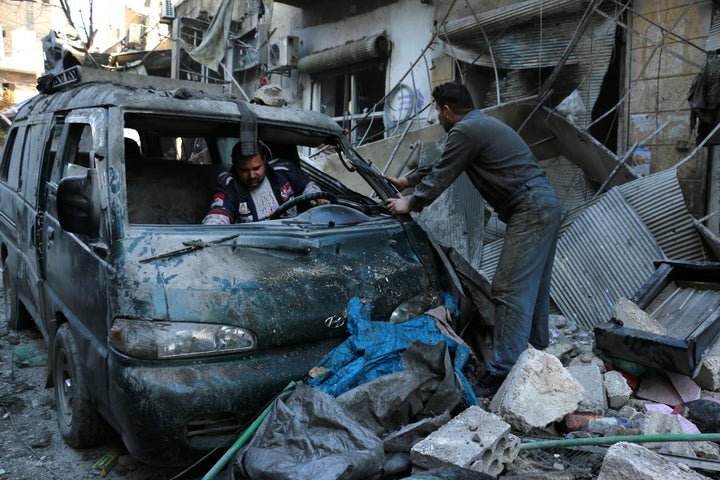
(623, 71)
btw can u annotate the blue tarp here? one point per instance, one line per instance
(375, 348)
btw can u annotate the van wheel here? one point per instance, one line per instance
(17, 317)
(81, 426)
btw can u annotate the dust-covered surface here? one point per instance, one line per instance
(30, 443)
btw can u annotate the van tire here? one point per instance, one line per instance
(17, 317)
(81, 426)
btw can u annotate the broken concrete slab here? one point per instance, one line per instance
(657, 423)
(617, 389)
(628, 460)
(474, 439)
(629, 315)
(594, 400)
(708, 376)
(537, 392)
(686, 425)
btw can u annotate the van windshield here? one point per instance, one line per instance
(172, 165)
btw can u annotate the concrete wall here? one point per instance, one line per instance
(659, 92)
(408, 24)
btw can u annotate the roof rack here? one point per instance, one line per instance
(77, 74)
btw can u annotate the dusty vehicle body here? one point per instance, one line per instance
(172, 332)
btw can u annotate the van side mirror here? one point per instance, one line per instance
(78, 203)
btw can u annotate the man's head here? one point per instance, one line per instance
(452, 101)
(250, 169)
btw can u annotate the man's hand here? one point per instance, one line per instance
(397, 206)
(319, 201)
(400, 183)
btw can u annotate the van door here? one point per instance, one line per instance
(75, 267)
(29, 282)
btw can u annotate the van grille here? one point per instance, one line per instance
(205, 430)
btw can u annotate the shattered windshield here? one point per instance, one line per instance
(173, 165)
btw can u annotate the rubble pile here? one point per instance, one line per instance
(568, 412)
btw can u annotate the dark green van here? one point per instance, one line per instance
(171, 332)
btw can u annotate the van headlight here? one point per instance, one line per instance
(157, 340)
(415, 307)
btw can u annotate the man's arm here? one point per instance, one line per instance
(300, 180)
(221, 211)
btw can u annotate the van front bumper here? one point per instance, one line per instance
(172, 413)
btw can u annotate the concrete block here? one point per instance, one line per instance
(475, 439)
(707, 450)
(629, 460)
(617, 389)
(657, 423)
(402, 440)
(709, 375)
(632, 316)
(588, 358)
(593, 400)
(537, 392)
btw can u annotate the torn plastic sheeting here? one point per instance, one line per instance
(311, 430)
(375, 347)
(309, 436)
(425, 388)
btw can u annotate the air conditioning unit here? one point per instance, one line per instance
(168, 10)
(284, 53)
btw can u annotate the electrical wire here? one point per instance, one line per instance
(490, 50)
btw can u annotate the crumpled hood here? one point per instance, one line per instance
(281, 286)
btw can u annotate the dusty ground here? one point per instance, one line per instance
(30, 443)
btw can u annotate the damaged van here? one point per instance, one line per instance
(171, 332)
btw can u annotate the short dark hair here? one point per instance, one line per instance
(455, 95)
(261, 149)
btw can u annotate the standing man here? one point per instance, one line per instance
(254, 188)
(509, 178)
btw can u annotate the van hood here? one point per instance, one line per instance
(284, 284)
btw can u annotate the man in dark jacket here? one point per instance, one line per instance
(509, 178)
(255, 187)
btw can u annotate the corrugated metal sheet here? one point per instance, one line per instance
(712, 42)
(456, 217)
(607, 248)
(607, 253)
(456, 30)
(660, 204)
(542, 44)
(569, 182)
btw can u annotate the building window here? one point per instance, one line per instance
(352, 97)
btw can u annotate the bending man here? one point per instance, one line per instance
(509, 178)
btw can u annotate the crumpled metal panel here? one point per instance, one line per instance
(473, 25)
(453, 218)
(542, 44)
(605, 254)
(659, 202)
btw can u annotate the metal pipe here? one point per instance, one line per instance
(670, 437)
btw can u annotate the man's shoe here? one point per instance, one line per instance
(488, 384)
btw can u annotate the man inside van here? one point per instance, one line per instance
(254, 188)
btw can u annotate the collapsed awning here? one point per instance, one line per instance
(347, 54)
(500, 18)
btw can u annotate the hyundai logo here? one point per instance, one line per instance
(335, 321)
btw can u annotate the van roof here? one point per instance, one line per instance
(98, 88)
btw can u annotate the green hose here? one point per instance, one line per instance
(244, 437)
(669, 437)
